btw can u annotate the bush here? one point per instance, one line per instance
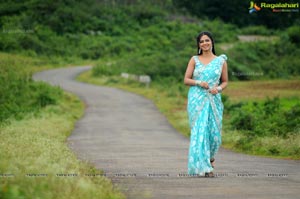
(292, 120)
(45, 95)
(243, 121)
(267, 118)
(294, 34)
(104, 70)
(146, 38)
(256, 30)
(264, 60)
(19, 94)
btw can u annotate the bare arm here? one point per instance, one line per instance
(224, 79)
(189, 73)
(224, 76)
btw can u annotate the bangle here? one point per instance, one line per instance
(219, 88)
(198, 82)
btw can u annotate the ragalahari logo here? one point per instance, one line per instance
(253, 7)
(275, 7)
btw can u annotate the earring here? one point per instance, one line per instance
(199, 52)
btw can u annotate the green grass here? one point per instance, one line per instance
(274, 147)
(37, 145)
(37, 63)
(258, 90)
(173, 106)
(33, 136)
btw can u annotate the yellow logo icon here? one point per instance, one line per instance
(253, 7)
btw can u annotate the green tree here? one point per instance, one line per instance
(237, 12)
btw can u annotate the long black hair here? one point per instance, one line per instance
(211, 38)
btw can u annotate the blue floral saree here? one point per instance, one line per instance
(205, 111)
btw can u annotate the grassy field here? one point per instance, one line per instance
(258, 90)
(173, 106)
(35, 161)
(36, 145)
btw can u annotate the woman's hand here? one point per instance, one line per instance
(204, 85)
(214, 90)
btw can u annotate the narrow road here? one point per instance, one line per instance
(125, 135)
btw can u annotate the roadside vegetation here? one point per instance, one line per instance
(36, 120)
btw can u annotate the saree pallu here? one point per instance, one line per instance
(205, 112)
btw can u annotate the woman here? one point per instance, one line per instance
(206, 74)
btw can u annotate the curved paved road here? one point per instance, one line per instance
(125, 135)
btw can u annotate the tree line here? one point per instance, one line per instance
(237, 12)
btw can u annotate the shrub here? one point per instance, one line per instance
(271, 106)
(256, 30)
(243, 121)
(19, 94)
(294, 34)
(267, 118)
(103, 70)
(45, 95)
(292, 119)
(246, 61)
